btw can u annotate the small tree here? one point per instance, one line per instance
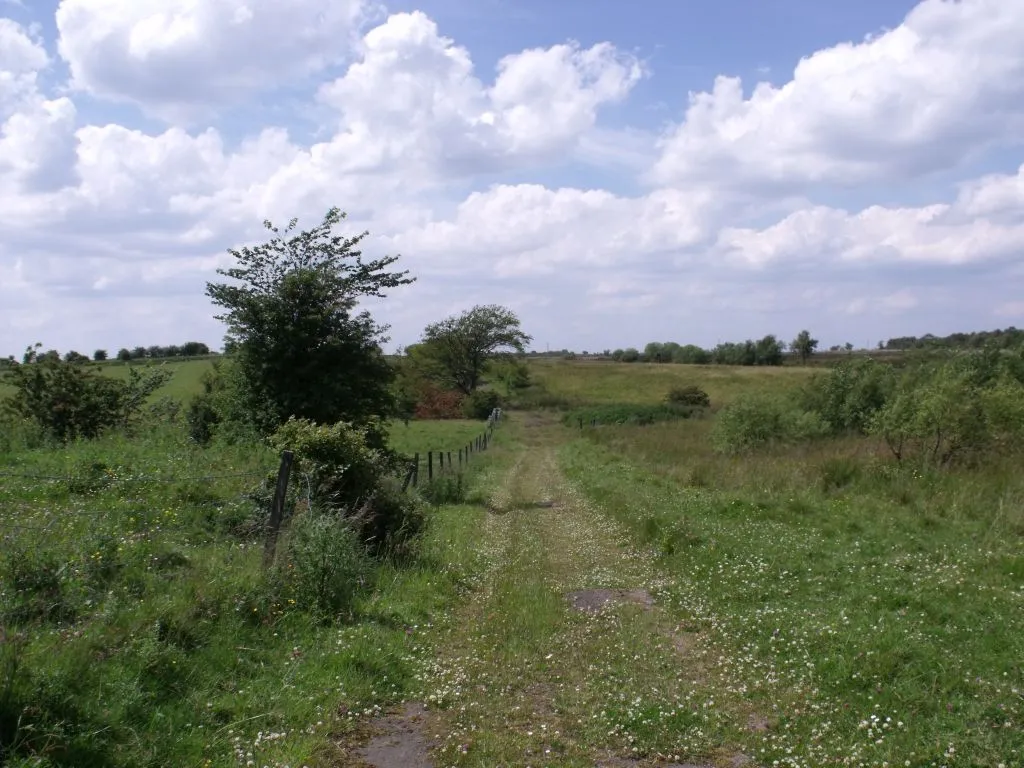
(464, 344)
(99, 355)
(124, 355)
(804, 345)
(299, 347)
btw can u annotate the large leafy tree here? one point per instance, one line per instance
(299, 346)
(462, 345)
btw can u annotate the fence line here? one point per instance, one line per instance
(446, 460)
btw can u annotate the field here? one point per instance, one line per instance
(616, 595)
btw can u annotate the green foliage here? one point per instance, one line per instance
(627, 413)
(463, 345)
(849, 394)
(755, 420)
(630, 355)
(803, 345)
(299, 346)
(962, 408)
(481, 403)
(447, 489)
(124, 355)
(513, 374)
(348, 471)
(688, 394)
(326, 565)
(69, 401)
(99, 355)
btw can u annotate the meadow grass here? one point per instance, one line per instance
(421, 435)
(185, 382)
(582, 383)
(139, 630)
(871, 613)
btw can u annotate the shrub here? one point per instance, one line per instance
(481, 403)
(755, 420)
(850, 394)
(347, 471)
(69, 401)
(448, 489)
(689, 394)
(34, 587)
(946, 412)
(627, 413)
(434, 402)
(326, 564)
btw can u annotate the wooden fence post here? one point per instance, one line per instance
(277, 509)
(430, 466)
(416, 471)
(440, 459)
(449, 461)
(408, 478)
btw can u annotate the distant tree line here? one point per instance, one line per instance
(766, 351)
(155, 352)
(1006, 339)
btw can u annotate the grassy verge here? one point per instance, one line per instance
(444, 435)
(138, 628)
(880, 627)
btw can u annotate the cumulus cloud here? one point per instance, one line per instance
(941, 87)
(985, 223)
(413, 99)
(174, 57)
(110, 230)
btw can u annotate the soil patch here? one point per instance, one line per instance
(596, 599)
(400, 741)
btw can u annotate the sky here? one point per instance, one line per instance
(616, 173)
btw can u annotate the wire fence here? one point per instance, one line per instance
(440, 463)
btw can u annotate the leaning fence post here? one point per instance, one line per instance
(408, 478)
(430, 466)
(277, 509)
(460, 458)
(416, 471)
(440, 459)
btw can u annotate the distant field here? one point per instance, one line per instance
(184, 383)
(586, 382)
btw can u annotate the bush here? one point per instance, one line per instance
(433, 402)
(347, 471)
(850, 394)
(690, 394)
(627, 413)
(326, 564)
(941, 413)
(481, 404)
(69, 401)
(448, 489)
(755, 420)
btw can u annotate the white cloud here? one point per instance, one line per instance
(110, 231)
(957, 233)
(936, 90)
(174, 57)
(413, 99)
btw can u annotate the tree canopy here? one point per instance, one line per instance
(463, 344)
(299, 347)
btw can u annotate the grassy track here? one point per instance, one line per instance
(523, 678)
(790, 631)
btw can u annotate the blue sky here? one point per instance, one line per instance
(617, 173)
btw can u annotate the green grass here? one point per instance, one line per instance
(185, 382)
(444, 435)
(836, 587)
(140, 630)
(573, 384)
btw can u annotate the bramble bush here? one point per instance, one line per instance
(347, 471)
(752, 421)
(689, 394)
